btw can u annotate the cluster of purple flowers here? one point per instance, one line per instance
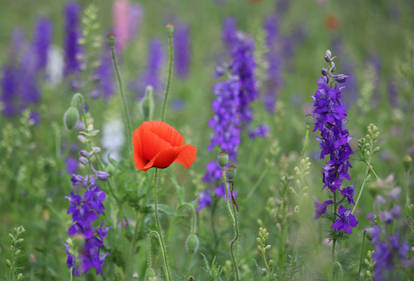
(71, 40)
(104, 76)
(182, 49)
(232, 106)
(330, 117)
(280, 49)
(85, 210)
(152, 74)
(390, 248)
(20, 75)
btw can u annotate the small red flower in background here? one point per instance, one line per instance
(331, 22)
(157, 144)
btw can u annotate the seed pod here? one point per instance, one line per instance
(231, 173)
(223, 159)
(71, 118)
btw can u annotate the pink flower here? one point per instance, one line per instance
(121, 22)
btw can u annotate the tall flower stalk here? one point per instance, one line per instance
(330, 117)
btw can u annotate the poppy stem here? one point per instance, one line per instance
(233, 214)
(121, 90)
(159, 235)
(170, 30)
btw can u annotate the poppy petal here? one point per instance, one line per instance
(164, 158)
(139, 161)
(152, 144)
(187, 156)
(166, 132)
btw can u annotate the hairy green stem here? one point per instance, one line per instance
(233, 242)
(361, 255)
(170, 30)
(123, 98)
(159, 229)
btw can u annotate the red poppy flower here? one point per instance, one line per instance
(332, 22)
(157, 144)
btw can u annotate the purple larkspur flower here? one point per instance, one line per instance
(152, 73)
(221, 191)
(182, 50)
(225, 122)
(348, 193)
(71, 40)
(330, 117)
(204, 200)
(104, 76)
(9, 93)
(34, 118)
(330, 114)
(273, 81)
(41, 42)
(71, 165)
(71, 261)
(243, 66)
(85, 210)
(345, 221)
(320, 208)
(29, 86)
(229, 32)
(260, 131)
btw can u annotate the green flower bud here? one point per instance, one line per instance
(407, 160)
(71, 118)
(192, 243)
(146, 106)
(231, 173)
(170, 28)
(111, 39)
(223, 159)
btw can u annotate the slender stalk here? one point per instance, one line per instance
(360, 258)
(170, 29)
(362, 187)
(159, 229)
(233, 242)
(121, 90)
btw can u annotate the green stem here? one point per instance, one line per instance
(233, 242)
(258, 182)
(159, 229)
(170, 30)
(362, 252)
(121, 90)
(362, 187)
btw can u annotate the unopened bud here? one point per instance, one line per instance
(71, 118)
(223, 158)
(192, 243)
(146, 106)
(111, 39)
(407, 160)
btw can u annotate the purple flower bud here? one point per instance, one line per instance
(83, 160)
(85, 153)
(341, 78)
(324, 71)
(327, 58)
